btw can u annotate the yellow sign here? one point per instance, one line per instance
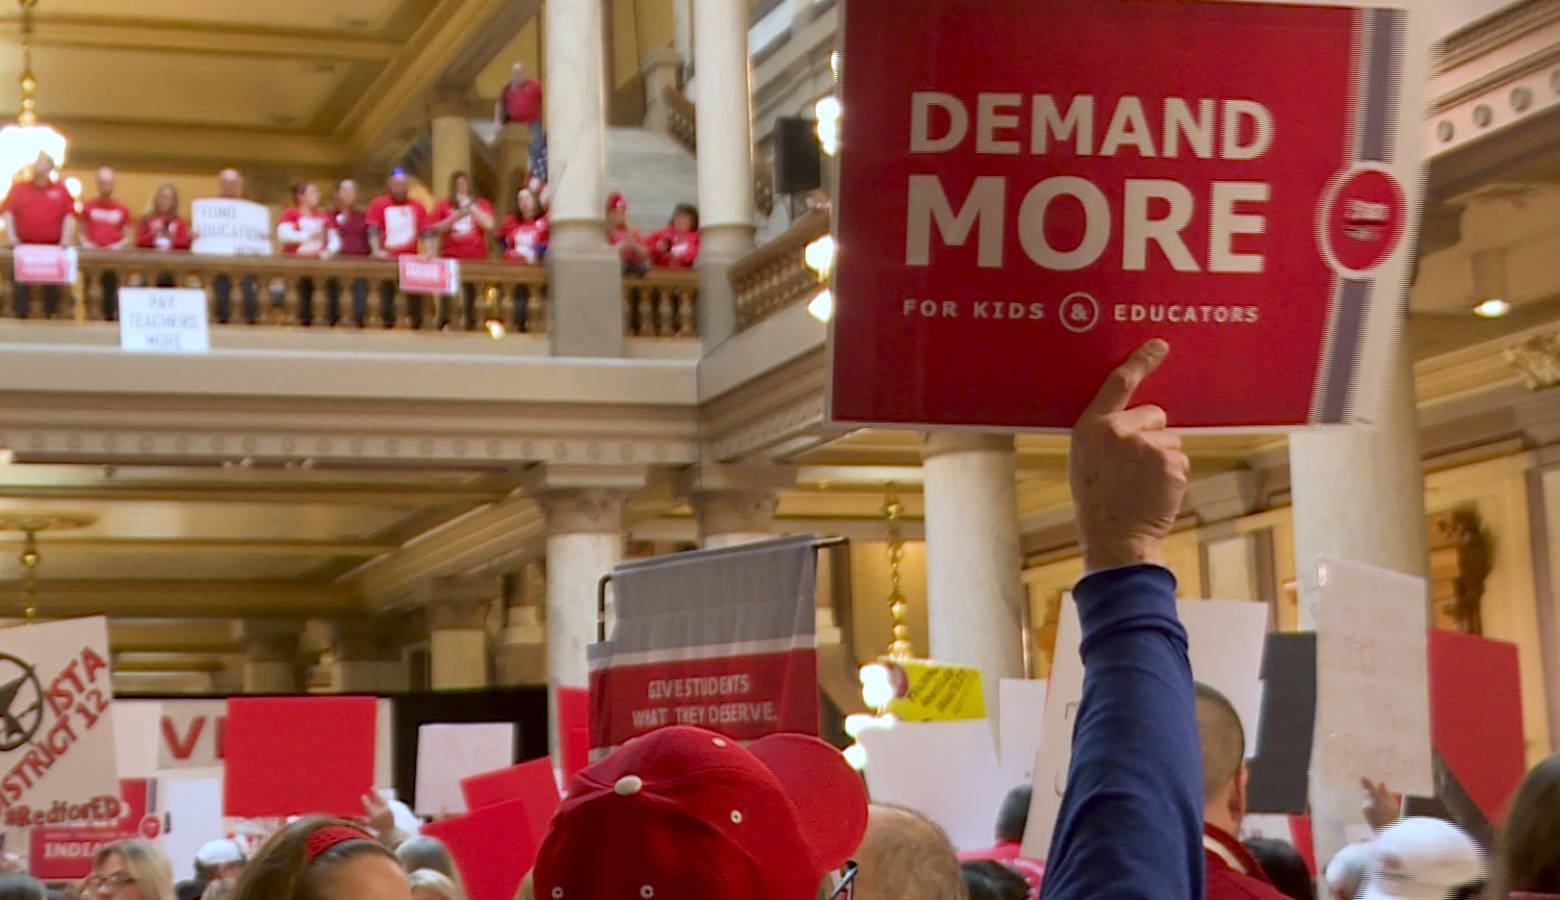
(929, 691)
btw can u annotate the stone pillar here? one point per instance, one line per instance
(271, 663)
(734, 504)
(457, 634)
(451, 131)
(1358, 494)
(368, 658)
(974, 593)
(682, 29)
(522, 651)
(725, 159)
(584, 510)
(514, 163)
(585, 306)
(660, 73)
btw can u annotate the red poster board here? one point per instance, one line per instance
(1476, 716)
(291, 756)
(420, 275)
(63, 851)
(531, 782)
(1030, 191)
(573, 729)
(493, 847)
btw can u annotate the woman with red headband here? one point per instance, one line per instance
(319, 858)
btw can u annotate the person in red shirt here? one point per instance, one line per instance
(305, 230)
(624, 238)
(524, 233)
(39, 211)
(107, 224)
(161, 228)
(350, 224)
(396, 223)
(1012, 822)
(463, 222)
(521, 101)
(677, 245)
(1232, 872)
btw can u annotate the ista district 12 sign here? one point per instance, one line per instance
(1029, 189)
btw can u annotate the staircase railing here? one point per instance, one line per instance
(682, 124)
(776, 275)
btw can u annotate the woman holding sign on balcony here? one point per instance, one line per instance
(524, 233)
(463, 221)
(162, 229)
(306, 230)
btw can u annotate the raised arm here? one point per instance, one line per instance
(1130, 825)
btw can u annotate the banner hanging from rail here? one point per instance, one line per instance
(1029, 192)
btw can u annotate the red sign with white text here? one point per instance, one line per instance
(1030, 191)
(62, 850)
(44, 264)
(429, 276)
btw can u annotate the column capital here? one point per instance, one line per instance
(734, 499)
(449, 100)
(461, 603)
(269, 640)
(364, 640)
(583, 499)
(937, 443)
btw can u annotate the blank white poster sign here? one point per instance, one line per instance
(1225, 644)
(448, 753)
(1022, 707)
(947, 771)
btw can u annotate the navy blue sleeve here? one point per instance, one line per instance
(1130, 825)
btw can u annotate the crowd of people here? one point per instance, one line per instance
(461, 225)
(1153, 806)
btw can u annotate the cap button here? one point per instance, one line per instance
(629, 785)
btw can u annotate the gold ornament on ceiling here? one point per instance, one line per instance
(22, 142)
(30, 524)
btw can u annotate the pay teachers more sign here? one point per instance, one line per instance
(57, 762)
(1029, 191)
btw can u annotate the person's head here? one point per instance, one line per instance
(525, 204)
(685, 217)
(105, 182)
(1013, 817)
(986, 879)
(1284, 866)
(460, 185)
(905, 856)
(20, 887)
(346, 193)
(1419, 858)
(43, 169)
(221, 889)
(306, 195)
(429, 854)
(617, 210)
(230, 183)
(319, 858)
(686, 812)
(430, 885)
(220, 858)
(399, 184)
(1346, 873)
(165, 200)
(1528, 854)
(517, 74)
(1223, 760)
(129, 870)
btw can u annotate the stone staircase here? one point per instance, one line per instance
(654, 173)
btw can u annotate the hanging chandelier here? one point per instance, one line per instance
(23, 141)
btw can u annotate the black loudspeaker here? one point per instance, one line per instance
(798, 158)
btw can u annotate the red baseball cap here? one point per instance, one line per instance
(683, 813)
(615, 201)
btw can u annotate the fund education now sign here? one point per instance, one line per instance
(1028, 191)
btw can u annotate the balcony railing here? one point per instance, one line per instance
(775, 275)
(346, 292)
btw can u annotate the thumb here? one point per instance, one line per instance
(1119, 386)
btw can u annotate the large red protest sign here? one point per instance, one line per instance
(62, 849)
(291, 756)
(723, 639)
(1029, 191)
(1476, 716)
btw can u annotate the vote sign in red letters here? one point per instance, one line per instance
(1028, 191)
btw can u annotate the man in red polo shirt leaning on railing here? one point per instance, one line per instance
(39, 211)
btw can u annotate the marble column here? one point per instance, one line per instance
(457, 631)
(367, 658)
(584, 510)
(682, 30)
(1358, 494)
(725, 159)
(974, 591)
(522, 650)
(734, 504)
(451, 132)
(585, 303)
(271, 658)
